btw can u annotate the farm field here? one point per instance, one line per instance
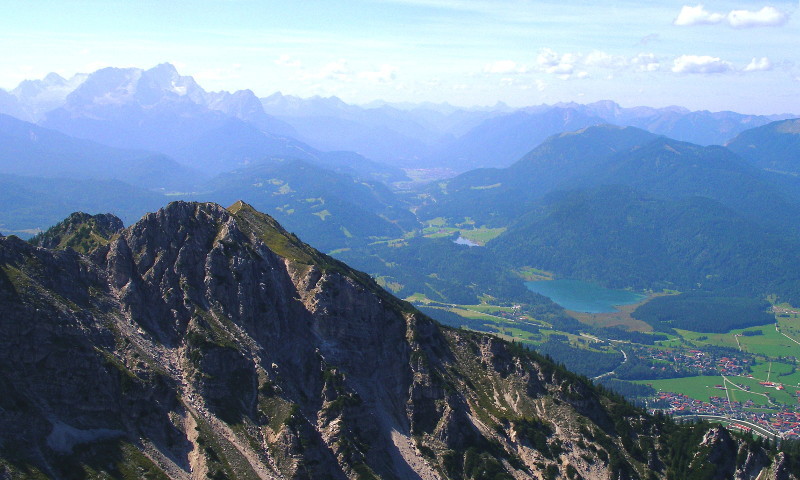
(768, 342)
(696, 361)
(699, 388)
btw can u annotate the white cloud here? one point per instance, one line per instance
(384, 74)
(605, 60)
(504, 67)
(578, 65)
(762, 64)
(551, 62)
(646, 62)
(547, 58)
(766, 17)
(287, 61)
(697, 16)
(338, 70)
(700, 64)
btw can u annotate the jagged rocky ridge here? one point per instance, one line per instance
(205, 342)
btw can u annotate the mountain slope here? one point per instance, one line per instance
(700, 127)
(771, 147)
(497, 196)
(610, 155)
(31, 204)
(334, 209)
(384, 134)
(503, 138)
(31, 150)
(217, 345)
(669, 169)
(625, 238)
(499, 141)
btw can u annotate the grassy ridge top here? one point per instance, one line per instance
(269, 231)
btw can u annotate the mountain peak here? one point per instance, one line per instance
(81, 232)
(166, 69)
(208, 352)
(594, 130)
(266, 229)
(53, 78)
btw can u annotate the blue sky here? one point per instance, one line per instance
(722, 55)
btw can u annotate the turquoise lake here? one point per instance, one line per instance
(583, 296)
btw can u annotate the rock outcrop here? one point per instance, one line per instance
(205, 342)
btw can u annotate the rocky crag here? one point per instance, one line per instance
(205, 342)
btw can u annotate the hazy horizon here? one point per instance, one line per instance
(724, 55)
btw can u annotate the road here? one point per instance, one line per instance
(624, 361)
(757, 428)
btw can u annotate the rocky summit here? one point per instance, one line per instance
(204, 342)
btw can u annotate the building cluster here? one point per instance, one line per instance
(779, 420)
(696, 361)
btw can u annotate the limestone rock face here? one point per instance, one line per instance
(205, 342)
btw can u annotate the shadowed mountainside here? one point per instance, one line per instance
(205, 342)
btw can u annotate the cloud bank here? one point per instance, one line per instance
(698, 15)
(700, 64)
(579, 65)
(762, 64)
(766, 17)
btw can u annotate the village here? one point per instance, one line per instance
(702, 362)
(778, 420)
(734, 370)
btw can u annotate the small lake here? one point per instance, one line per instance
(466, 241)
(582, 296)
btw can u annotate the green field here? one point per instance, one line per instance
(699, 388)
(770, 343)
(779, 372)
(786, 397)
(792, 380)
(482, 235)
(532, 274)
(774, 369)
(469, 313)
(703, 388)
(486, 308)
(418, 298)
(771, 352)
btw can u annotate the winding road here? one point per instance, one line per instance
(624, 361)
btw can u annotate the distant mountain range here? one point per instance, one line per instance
(162, 111)
(220, 345)
(123, 139)
(605, 155)
(625, 208)
(31, 150)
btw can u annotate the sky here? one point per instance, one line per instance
(718, 55)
